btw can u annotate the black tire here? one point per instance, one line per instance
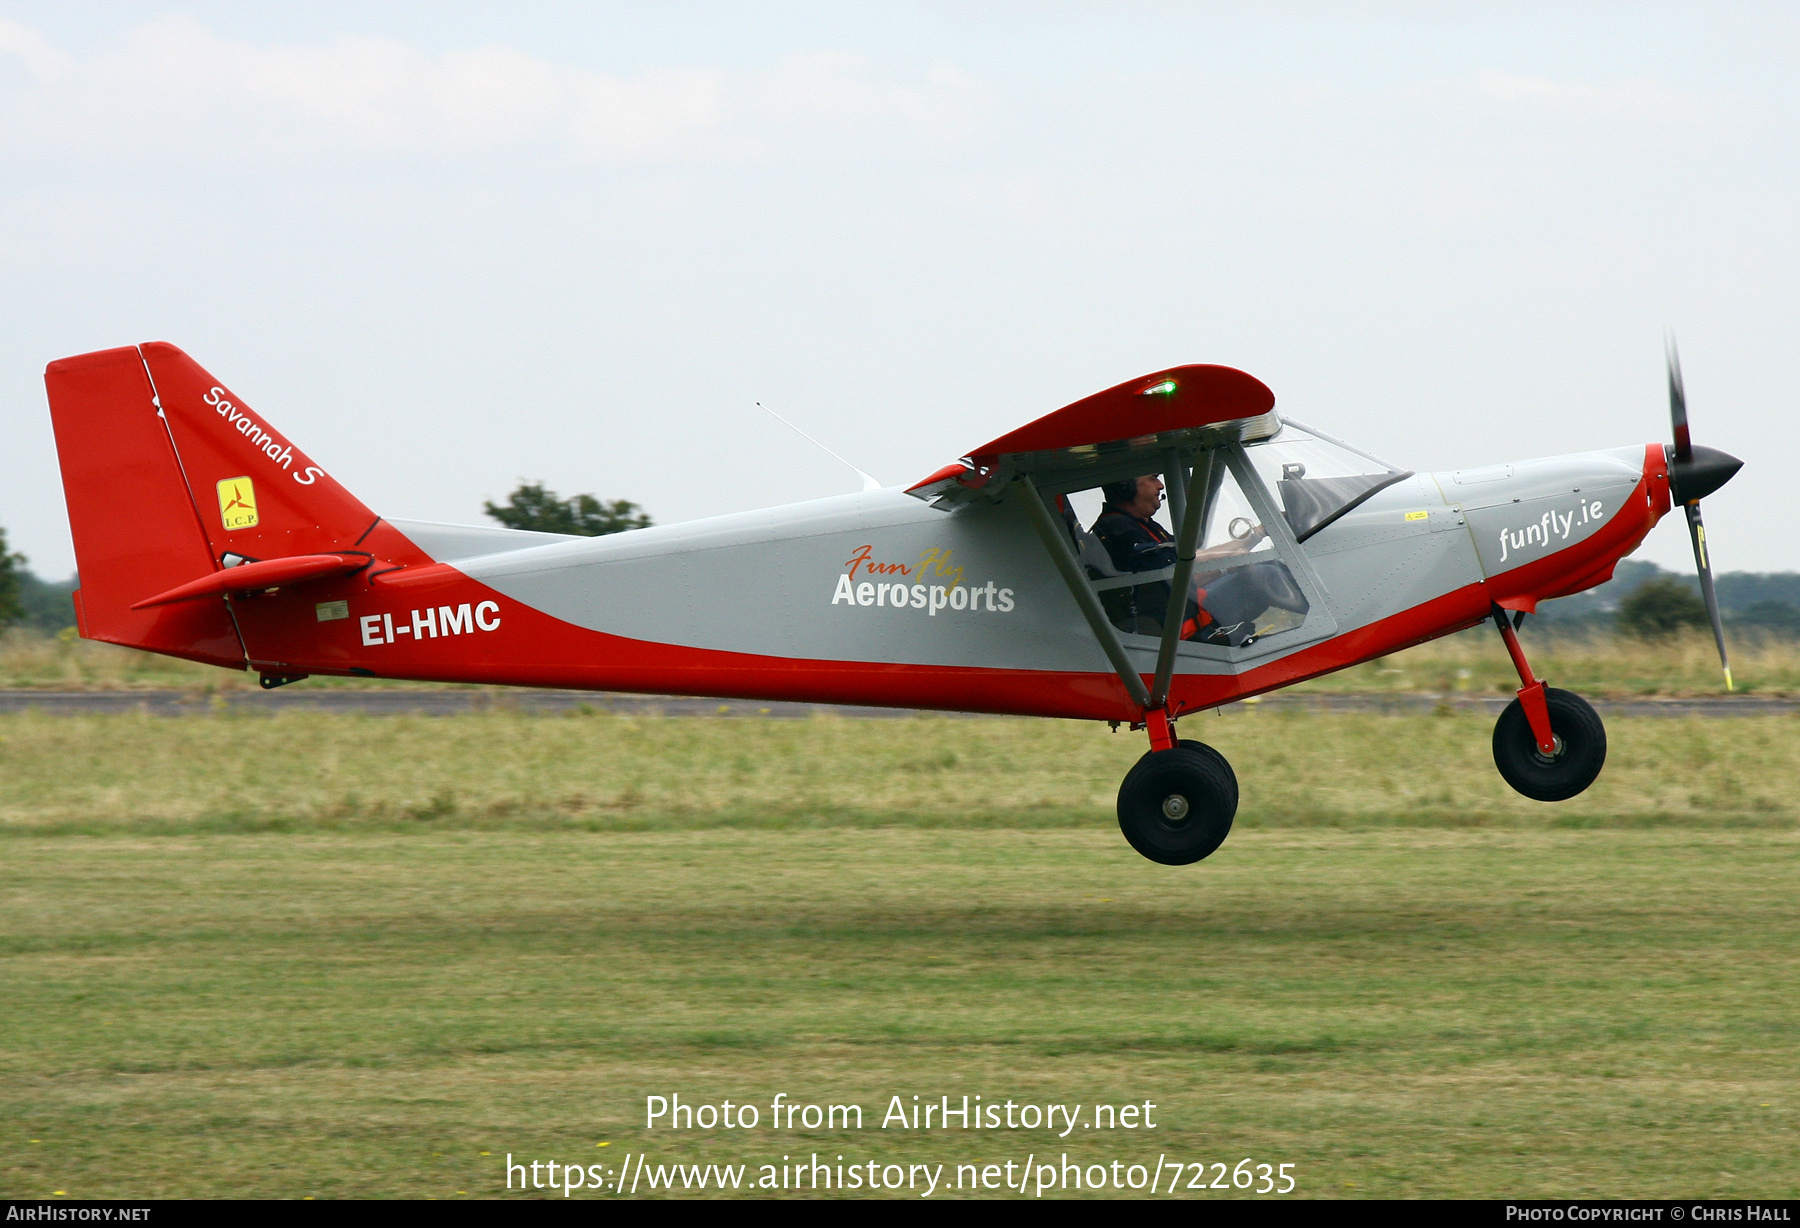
(1176, 806)
(1201, 748)
(1577, 761)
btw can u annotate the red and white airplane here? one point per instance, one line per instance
(1036, 576)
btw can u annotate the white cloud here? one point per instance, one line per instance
(28, 47)
(172, 85)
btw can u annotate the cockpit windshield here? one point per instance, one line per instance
(1318, 478)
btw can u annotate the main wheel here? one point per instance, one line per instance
(1580, 748)
(1201, 748)
(1176, 806)
(1208, 753)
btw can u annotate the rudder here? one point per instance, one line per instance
(135, 529)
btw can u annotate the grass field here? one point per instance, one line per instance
(312, 955)
(316, 772)
(1592, 664)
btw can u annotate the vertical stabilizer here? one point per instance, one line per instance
(258, 495)
(169, 478)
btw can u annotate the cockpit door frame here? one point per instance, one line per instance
(1198, 488)
(1288, 550)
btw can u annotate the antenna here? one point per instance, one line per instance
(868, 482)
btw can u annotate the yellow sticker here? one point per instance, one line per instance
(1418, 515)
(237, 503)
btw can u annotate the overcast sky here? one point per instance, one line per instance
(448, 247)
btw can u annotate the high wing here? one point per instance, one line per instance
(1185, 409)
(1165, 421)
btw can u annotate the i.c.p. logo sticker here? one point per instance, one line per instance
(237, 503)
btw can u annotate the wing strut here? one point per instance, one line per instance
(1175, 472)
(1187, 544)
(1062, 553)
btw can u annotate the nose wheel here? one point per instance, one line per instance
(1578, 748)
(1548, 744)
(1176, 805)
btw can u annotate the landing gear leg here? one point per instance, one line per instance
(1176, 805)
(1548, 744)
(1160, 728)
(1531, 692)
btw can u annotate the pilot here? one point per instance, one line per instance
(1222, 607)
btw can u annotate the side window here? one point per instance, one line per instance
(1240, 590)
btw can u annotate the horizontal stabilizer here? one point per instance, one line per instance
(254, 577)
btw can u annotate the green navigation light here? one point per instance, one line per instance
(1163, 389)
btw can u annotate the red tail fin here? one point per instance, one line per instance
(159, 499)
(258, 495)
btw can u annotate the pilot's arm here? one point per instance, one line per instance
(1231, 548)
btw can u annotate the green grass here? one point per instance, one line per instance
(500, 947)
(1597, 664)
(316, 772)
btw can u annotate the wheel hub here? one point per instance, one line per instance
(1175, 808)
(1555, 754)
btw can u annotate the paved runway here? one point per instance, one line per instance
(450, 702)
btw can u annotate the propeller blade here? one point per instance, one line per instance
(1697, 531)
(1684, 446)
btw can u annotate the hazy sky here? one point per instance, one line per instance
(446, 247)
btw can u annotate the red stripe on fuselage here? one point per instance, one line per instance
(528, 647)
